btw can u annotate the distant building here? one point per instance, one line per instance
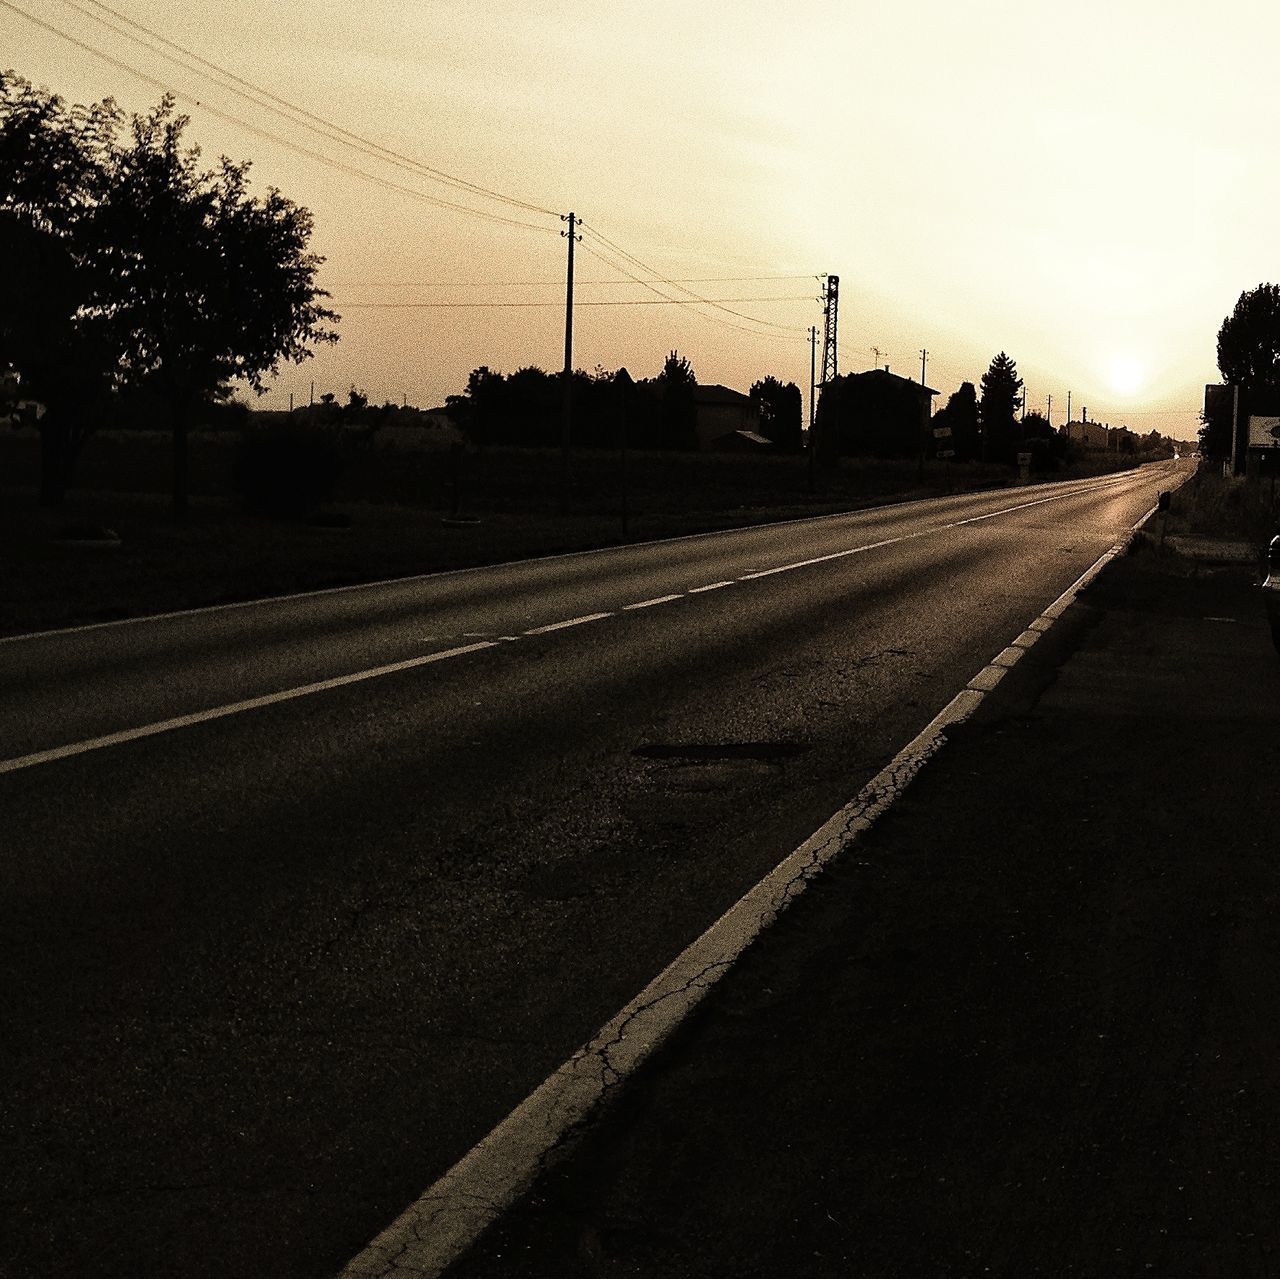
(721, 411)
(1089, 435)
(876, 413)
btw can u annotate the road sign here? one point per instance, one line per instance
(946, 453)
(941, 432)
(1264, 432)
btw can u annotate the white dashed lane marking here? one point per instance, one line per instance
(986, 678)
(233, 708)
(573, 621)
(662, 599)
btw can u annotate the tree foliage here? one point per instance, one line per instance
(960, 416)
(1001, 394)
(1249, 340)
(54, 336)
(679, 411)
(207, 284)
(144, 271)
(780, 409)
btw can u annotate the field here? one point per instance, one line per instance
(398, 506)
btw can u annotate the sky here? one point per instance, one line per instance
(1088, 187)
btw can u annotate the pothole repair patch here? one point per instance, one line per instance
(721, 752)
(718, 766)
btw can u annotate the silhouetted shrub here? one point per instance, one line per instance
(287, 471)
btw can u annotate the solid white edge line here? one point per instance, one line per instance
(443, 1222)
(1098, 481)
(714, 586)
(231, 708)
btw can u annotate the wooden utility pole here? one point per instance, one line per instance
(924, 359)
(1049, 412)
(566, 424)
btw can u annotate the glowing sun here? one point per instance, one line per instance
(1126, 375)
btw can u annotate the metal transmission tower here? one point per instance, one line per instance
(830, 305)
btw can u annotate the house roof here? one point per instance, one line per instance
(881, 375)
(751, 437)
(714, 393)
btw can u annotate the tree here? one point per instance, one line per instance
(205, 284)
(1249, 340)
(960, 416)
(56, 161)
(679, 415)
(1001, 387)
(779, 407)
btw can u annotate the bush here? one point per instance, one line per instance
(288, 470)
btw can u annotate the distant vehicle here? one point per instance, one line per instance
(1271, 589)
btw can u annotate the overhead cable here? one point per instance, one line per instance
(230, 118)
(422, 306)
(773, 331)
(657, 275)
(296, 114)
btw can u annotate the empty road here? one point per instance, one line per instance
(301, 897)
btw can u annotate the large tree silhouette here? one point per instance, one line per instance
(1249, 340)
(679, 412)
(961, 416)
(56, 163)
(1001, 387)
(206, 283)
(779, 407)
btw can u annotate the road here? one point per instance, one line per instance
(300, 898)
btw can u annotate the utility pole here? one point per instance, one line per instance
(1068, 407)
(566, 424)
(1048, 416)
(924, 359)
(311, 402)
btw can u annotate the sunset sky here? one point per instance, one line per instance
(1086, 186)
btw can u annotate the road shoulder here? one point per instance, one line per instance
(1022, 1027)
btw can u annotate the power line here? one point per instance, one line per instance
(269, 101)
(657, 275)
(421, 306)
(294, 114)
(548, 284)
(714, 319)
(422, 196)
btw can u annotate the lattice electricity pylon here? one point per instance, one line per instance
(830, 307)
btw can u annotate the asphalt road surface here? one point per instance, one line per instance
(301, 897)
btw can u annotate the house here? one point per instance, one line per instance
(875, 413)
(721, 411)
(1089, 435)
